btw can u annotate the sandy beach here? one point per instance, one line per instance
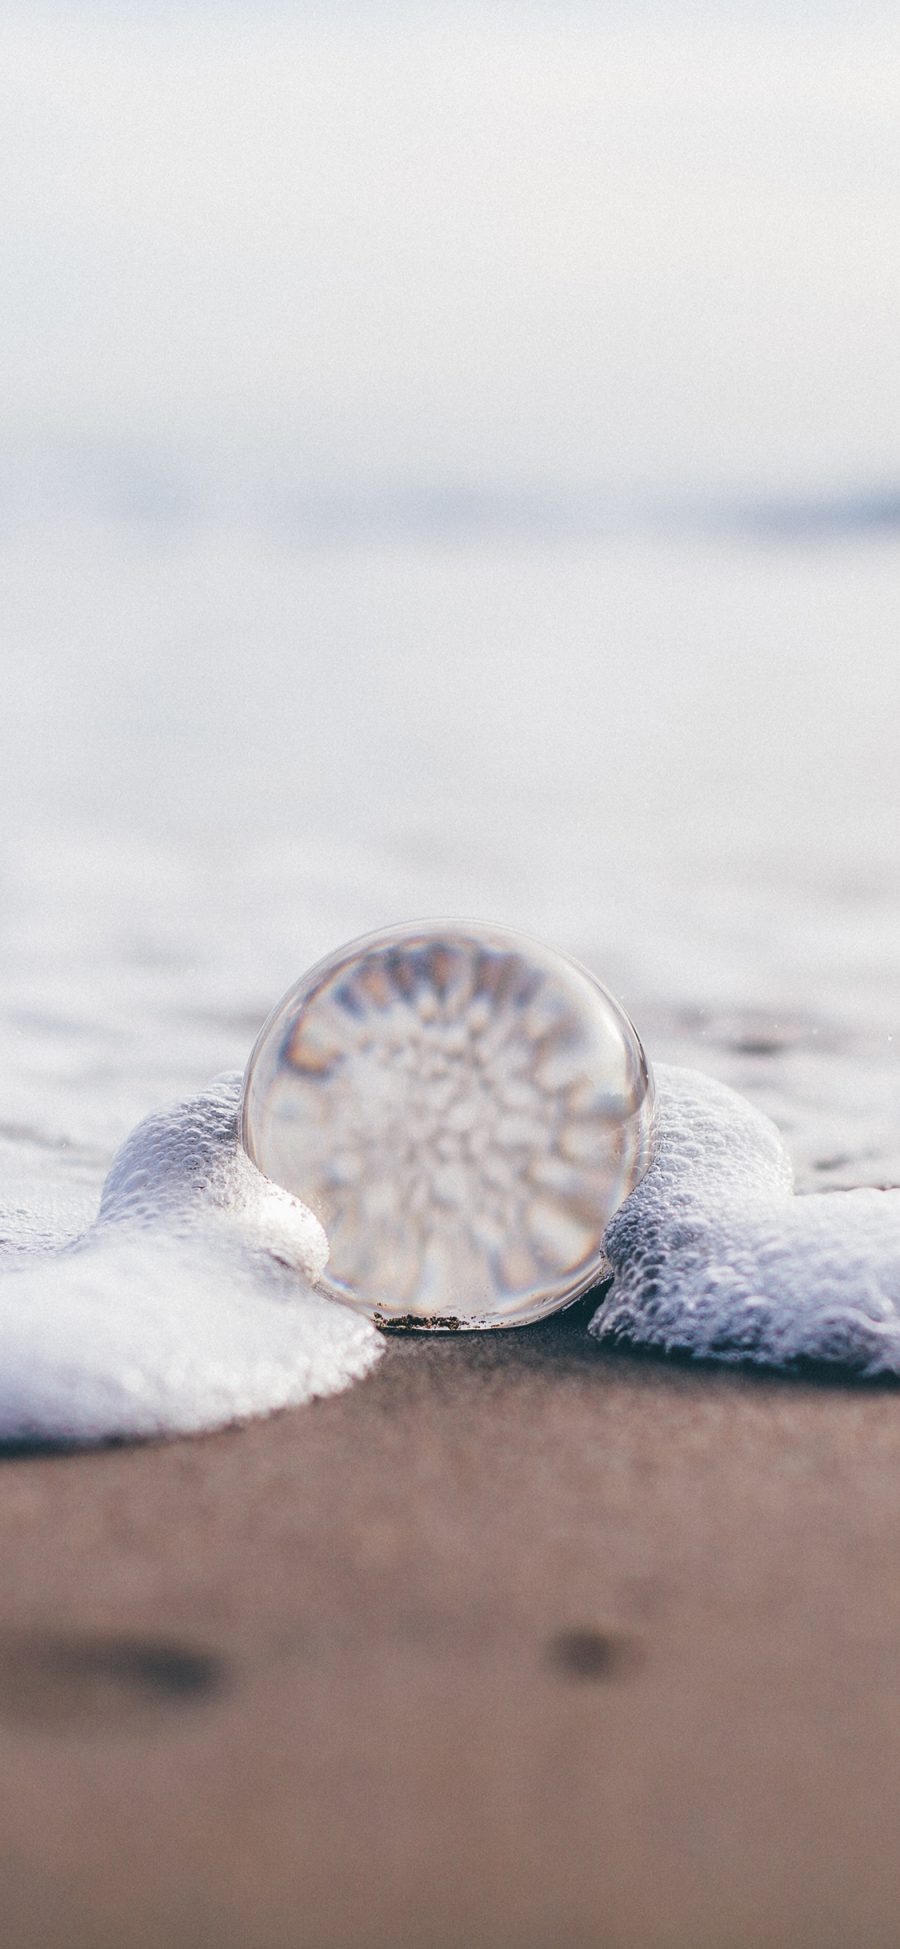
(515, 1643)
(448, 466)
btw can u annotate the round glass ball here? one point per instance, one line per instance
(463, 1109)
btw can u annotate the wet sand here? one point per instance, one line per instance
(515, 1643)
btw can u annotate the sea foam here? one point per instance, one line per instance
(713, 1256)
(190, 1304)
(187, 1306)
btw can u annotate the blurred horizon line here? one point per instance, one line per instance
(119, 486)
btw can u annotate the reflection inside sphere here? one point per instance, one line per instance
(463, 1109)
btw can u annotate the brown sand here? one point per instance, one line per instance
(517, 1643)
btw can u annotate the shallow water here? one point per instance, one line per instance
(223, 753)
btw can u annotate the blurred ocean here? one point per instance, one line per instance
(449, 463)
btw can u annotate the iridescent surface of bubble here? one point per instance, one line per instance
(463, 1109)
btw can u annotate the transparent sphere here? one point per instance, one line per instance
(463, 1109)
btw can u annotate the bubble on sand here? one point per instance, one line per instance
(463, 1109)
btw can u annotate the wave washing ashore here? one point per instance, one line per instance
(754, 934)
(191, 1302)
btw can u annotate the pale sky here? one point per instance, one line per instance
(512, 248)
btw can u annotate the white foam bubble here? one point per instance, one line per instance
(713, 1256)
(187, 1306)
